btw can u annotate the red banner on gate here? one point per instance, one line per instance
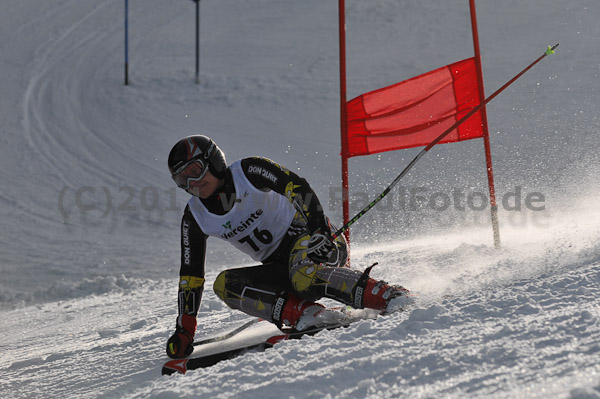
(414, 112)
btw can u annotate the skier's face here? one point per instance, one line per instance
(205, 187)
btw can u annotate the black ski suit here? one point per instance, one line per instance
(261, 290)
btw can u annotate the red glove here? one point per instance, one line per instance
(180, 343)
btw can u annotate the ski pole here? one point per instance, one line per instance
(345, 227)
(226, 335)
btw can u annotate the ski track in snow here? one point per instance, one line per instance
(527, 338)
(89, 297)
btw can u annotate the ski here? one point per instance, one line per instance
(257, 336)
(192, 363)
(183, 365)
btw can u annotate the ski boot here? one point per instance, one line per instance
(377, 294)
(387, 298)
(303, 314)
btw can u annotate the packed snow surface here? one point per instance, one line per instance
(90, 216)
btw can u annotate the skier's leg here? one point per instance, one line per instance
(345, 285)
(262, 291)
(253, 290)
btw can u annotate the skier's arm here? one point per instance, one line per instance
(265, 174)
(191, 273)
(191, 286)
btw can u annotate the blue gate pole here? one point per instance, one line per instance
(197, 41)
(126, 42)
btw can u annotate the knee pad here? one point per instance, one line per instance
(219, 285)
(304, 277)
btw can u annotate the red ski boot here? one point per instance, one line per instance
(302, 314)
(377, 294)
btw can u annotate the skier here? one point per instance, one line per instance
(273, 215)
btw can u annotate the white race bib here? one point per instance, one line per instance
(256, 223)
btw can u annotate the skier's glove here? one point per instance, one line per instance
(180, 343)
(320, 248)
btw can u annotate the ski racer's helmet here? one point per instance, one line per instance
(196, 155)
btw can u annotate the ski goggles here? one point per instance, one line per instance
(192, 170)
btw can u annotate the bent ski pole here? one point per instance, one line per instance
(226, 335)
(345, 227)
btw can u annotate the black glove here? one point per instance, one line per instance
(180, 343)
(320, 248)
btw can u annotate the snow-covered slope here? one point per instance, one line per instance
(89, 253)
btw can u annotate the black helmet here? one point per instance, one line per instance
(198, 147)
